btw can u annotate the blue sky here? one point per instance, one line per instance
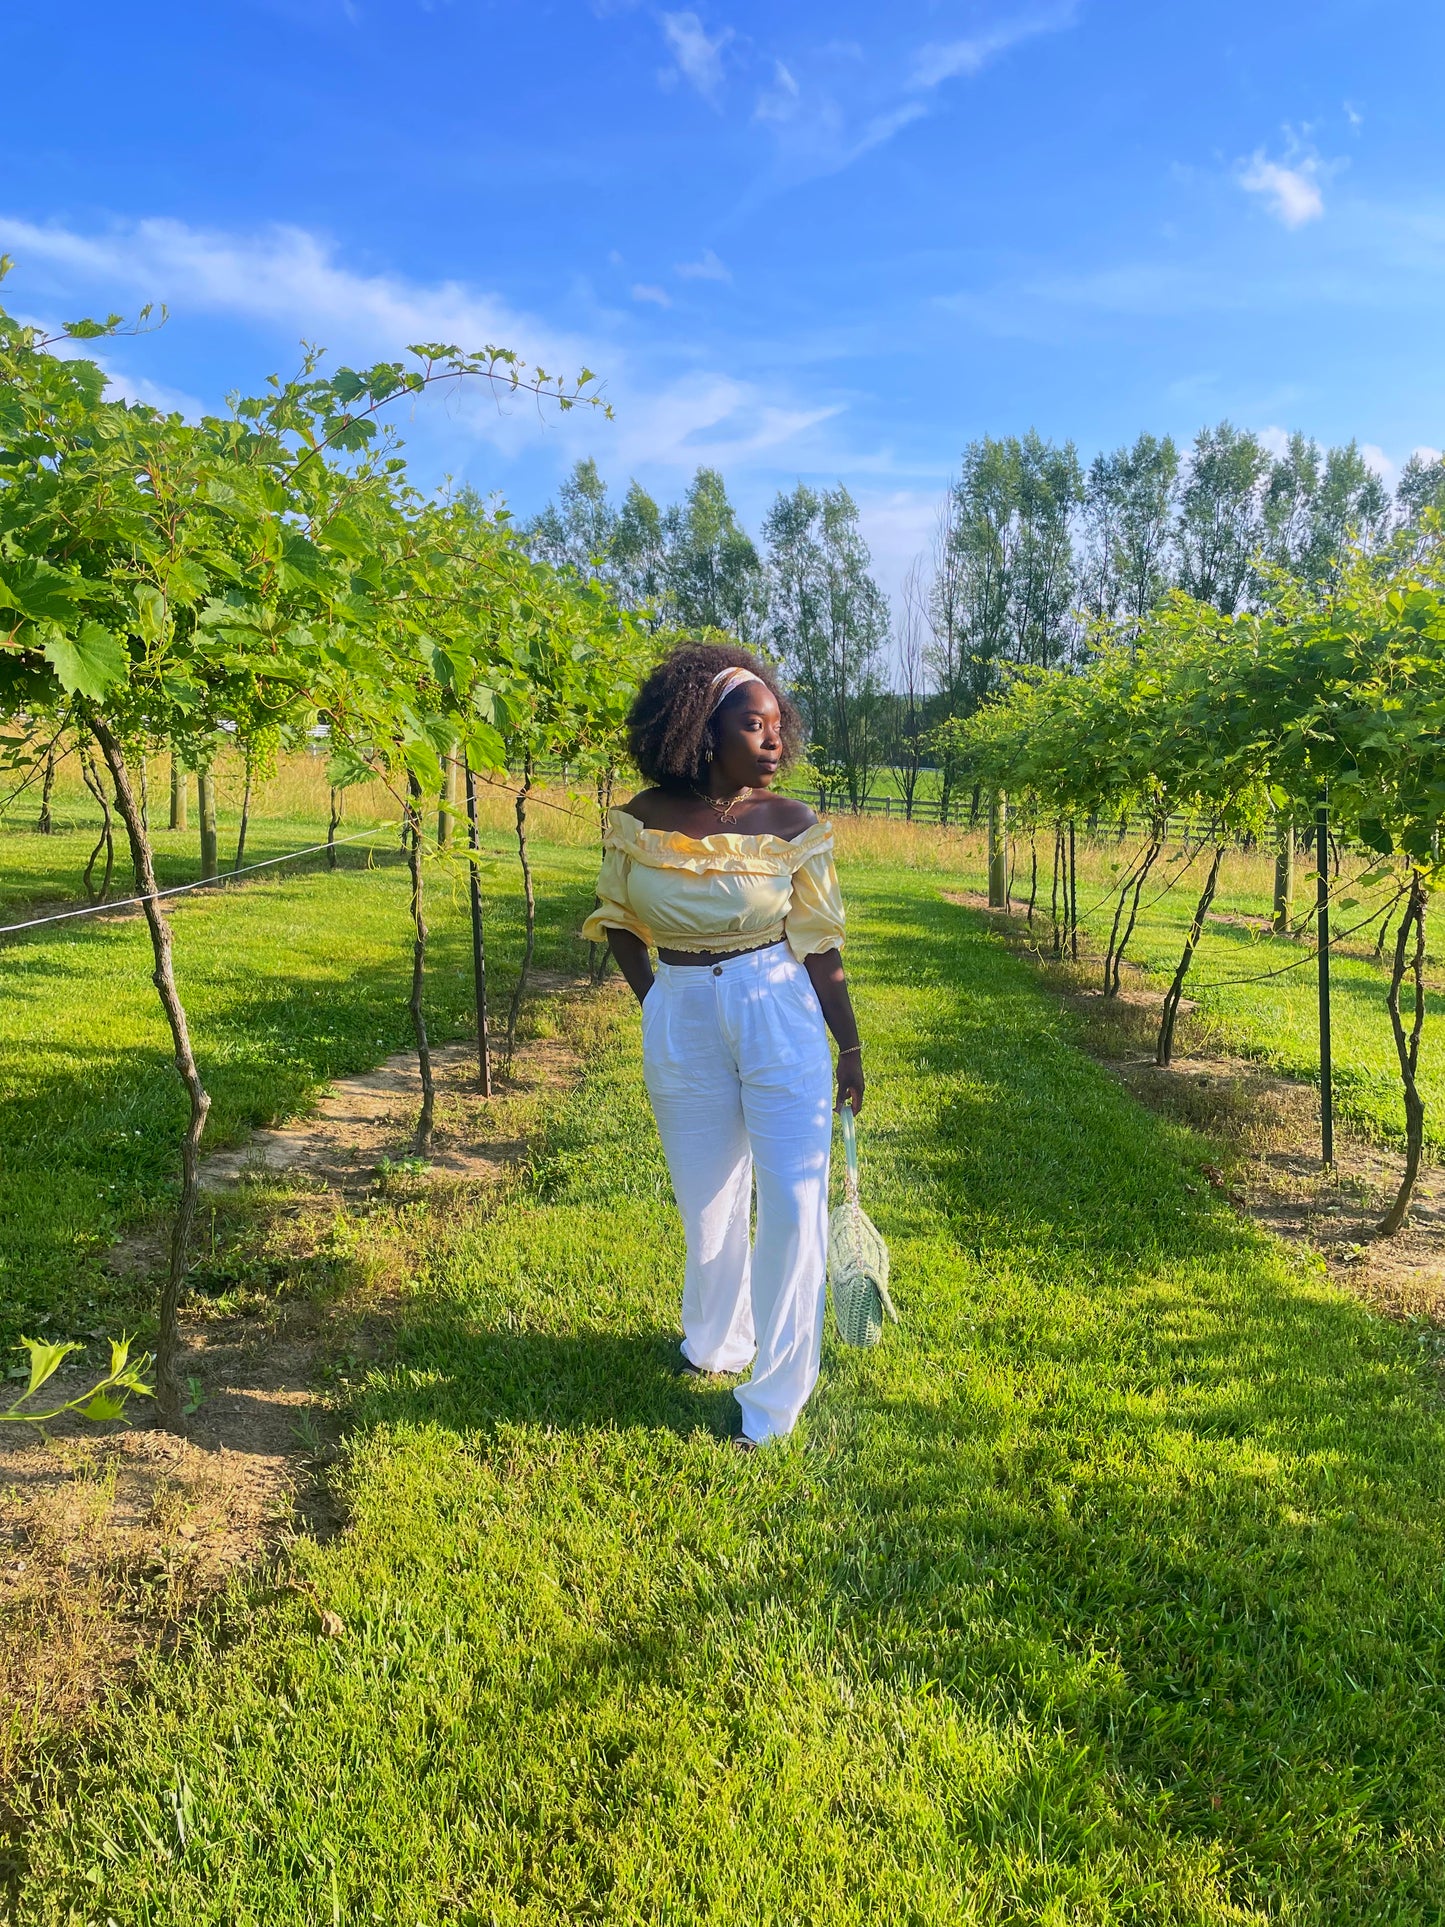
(798, 240)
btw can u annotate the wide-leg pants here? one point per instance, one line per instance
(736, 1062)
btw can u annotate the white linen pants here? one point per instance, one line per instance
(736, 1062)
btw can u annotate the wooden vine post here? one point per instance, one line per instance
(479, 954)
(413, 831)
(206, 804)
(1322, 915)
(1284, 880)
(998, 851)
(529, 939)
(178, 790)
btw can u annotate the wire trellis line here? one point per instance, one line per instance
(200, 883)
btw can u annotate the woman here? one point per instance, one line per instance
(737, 890)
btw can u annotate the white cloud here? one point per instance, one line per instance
(780, 101)
(646, 291)
(281, 275)
(699, 58)
(155, 394)
(1388, 467)
(709, 268)
(883, 127)
(712, 419)
(1274, 440)
(291, 285)
(947, 60)
(848, 108)
(1292, 193)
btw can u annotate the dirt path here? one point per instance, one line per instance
(1267, 1130)
(110, 1536)
(361, 1121)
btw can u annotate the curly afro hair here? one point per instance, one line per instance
(667, 726)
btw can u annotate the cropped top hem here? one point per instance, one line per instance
(724, 892)
(595, 929)
(695, 947)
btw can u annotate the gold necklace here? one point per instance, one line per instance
(724, 805)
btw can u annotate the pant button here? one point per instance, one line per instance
(717, 970)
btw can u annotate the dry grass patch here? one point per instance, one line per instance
(106, 1543)
(111, 1538)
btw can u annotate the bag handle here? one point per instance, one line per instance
(850, 1152)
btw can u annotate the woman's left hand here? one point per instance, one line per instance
(850, 1083)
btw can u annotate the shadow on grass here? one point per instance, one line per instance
(1123, 1472)
(481, 1381)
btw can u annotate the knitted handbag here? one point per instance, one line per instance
(857, 1258)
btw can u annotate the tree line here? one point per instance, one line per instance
(1030, 549)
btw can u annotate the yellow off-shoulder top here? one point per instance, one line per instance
(722, 892)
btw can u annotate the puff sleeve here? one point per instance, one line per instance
(815, 916)
(614, 911)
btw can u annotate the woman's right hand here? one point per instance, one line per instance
(850, 1082)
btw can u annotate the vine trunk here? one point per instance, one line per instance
(1165, 1050)
(168, 1384)
(1407, 1047)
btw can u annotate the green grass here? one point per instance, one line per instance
(1273, 1019)
(290, 979)
(1107, 1590)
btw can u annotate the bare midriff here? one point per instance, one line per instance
(714, 956)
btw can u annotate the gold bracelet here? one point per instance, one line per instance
(851, 1050)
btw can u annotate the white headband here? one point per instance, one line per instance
(725, 682)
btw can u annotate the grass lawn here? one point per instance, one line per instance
(1108, 1589)
(290, 979)
(1272, 1018)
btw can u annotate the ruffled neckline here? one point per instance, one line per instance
(764, 854)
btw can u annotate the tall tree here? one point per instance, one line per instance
(577, 531)
(1315, 505)
(1041, 593)
(712, 574)
(1421, 486)
(908, 705)
(1220, 525)
(1130, 499)
(982, 542)
(1004, 576)
(637, 551)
